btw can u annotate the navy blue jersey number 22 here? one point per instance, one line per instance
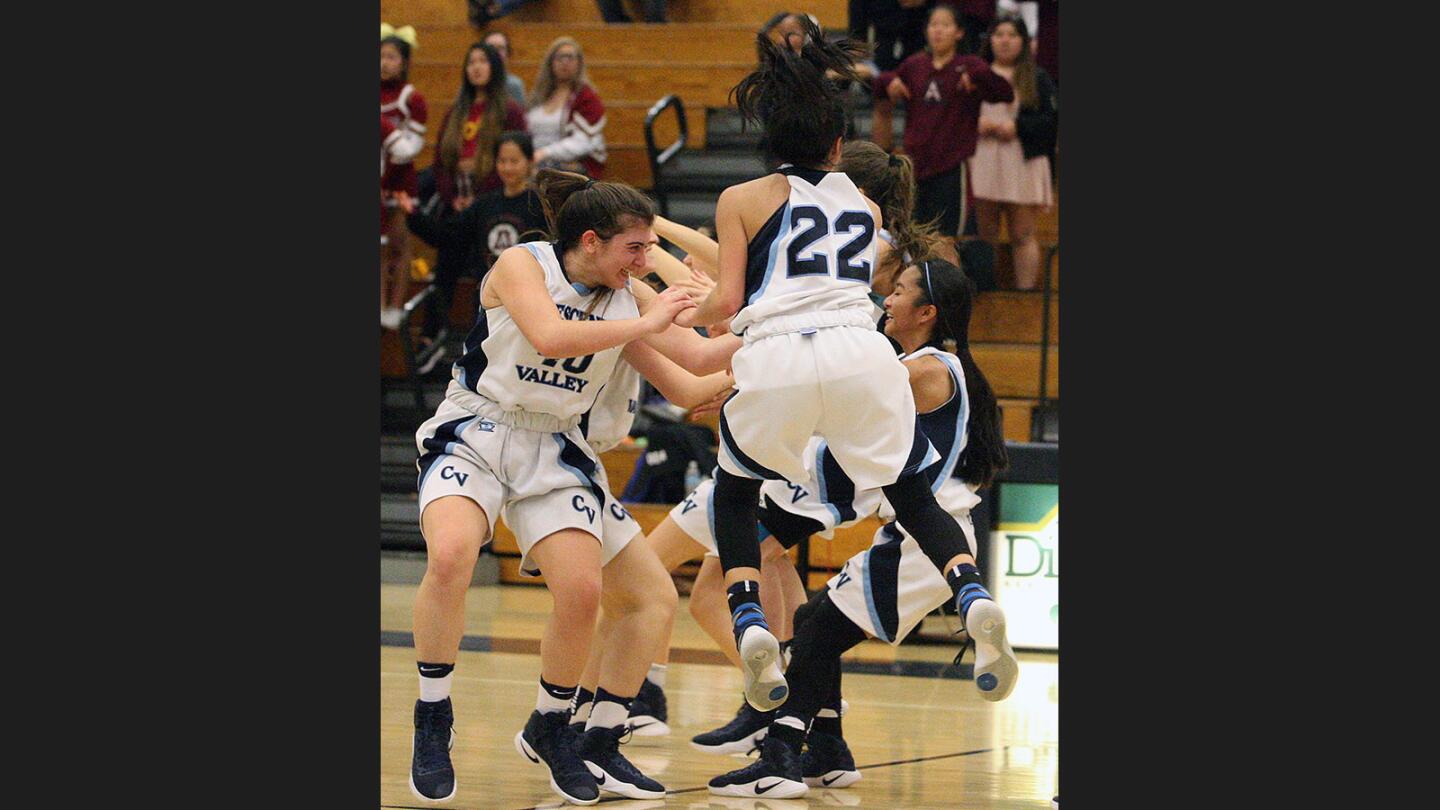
(818, 264)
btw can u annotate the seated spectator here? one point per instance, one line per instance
(614, 11)
(500, 41)
(566, 117)
(496, 220)
(942, 90)
(464, 155)
(1011, 167)
(402, 128)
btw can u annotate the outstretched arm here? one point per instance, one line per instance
(684, 346)
(517, 283)
(675, 383)
(701, 248)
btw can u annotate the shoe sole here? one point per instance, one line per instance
(645, 726)
(741, 746)
(996, 669)
(841, 779)
(454, 783)
(609, 784)
(782, 789)
(534, 759)
(765, 687)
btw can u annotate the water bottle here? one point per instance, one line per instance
(692, 476)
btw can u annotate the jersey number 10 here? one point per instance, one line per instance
(817, 263)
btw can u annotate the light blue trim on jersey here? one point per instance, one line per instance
(774, 248)
(961, 439)
(824, 492)
(875, 624)
(584, 481)
(449, 449)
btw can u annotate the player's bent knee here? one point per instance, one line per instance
(577, 597)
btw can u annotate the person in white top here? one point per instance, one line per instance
(566, 117)
(556, 319)
(796, 254)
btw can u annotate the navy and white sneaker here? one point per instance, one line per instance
(648, 712)
(432, 778)
(600, 748)
(996, 669)
(739, 736)
(765, 686)
(549, 738)
(827, 762)
(775, 775)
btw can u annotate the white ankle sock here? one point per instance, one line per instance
(657, 675)
(607, 714)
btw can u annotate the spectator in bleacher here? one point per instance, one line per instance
(464, 154)
(566, 116)
(614, 11)
(403, 113)
(1011, 167)
(942, 90)
(496, 220)
(500, 41)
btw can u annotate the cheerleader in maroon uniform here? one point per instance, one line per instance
(404, 110)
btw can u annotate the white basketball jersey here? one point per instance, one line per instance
(816, 253)
(500, 363)
(608, 423)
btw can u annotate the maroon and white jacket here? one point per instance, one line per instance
(580, 134)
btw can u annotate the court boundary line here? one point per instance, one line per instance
(706, 787)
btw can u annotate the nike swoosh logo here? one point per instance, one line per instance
(431, 669)
(640, 725)
(600, 780)
(829, 782)
(759, 789)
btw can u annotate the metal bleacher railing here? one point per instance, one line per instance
(658, 157)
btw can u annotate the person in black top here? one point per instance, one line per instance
(496, 220)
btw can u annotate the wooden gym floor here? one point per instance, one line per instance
(920, 741)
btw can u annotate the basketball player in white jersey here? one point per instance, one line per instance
(886, 591)
(506, 442)
(796, 252)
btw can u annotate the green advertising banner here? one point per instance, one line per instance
(1025, 564)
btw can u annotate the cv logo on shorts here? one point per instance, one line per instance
(689, 504)
(579, 504)
(449, 472)
(618, 511)
(798, 490)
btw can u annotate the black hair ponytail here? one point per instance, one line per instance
(788, 95)
(953, 294)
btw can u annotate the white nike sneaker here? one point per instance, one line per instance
(765, 687)
(996, 669)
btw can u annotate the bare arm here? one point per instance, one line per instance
(725, 300)
(685, 347)
(701, 248)
(517, 283)
(675, 383)
(930, 382)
